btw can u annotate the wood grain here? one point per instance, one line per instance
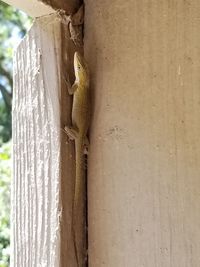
(36, 147)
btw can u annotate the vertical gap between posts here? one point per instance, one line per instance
(86, 209)
(67, 154)
(68, 169)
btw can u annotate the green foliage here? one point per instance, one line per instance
(12, 17)
(14, 24)
(5, 123)
(5, 173)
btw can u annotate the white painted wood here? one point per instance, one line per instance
(33, 8)
(36, 147)
(144, 160)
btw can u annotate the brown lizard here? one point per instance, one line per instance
(78, 132)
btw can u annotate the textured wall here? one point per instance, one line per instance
(144, 186)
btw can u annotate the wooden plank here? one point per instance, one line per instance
(36, 147)
(43, 157)
(144, 171)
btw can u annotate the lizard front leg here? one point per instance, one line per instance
(72, 132)
(71, 88)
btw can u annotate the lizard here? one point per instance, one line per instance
(78, 132)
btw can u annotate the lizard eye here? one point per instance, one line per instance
(79, 67)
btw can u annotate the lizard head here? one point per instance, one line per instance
(80, 68)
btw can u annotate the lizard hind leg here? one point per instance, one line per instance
(72, 132)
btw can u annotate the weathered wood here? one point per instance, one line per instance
(43, 157)
(144, 161)
(37, 8)
(36, 147)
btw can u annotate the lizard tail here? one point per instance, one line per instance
(79, 205)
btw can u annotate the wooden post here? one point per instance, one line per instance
(144, 171)
(36, 147)
(43, 160)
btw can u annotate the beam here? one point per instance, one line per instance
(35, 8)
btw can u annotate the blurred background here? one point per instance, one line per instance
(13, 26)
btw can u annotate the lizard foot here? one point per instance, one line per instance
(71, 132)
(86, 146)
